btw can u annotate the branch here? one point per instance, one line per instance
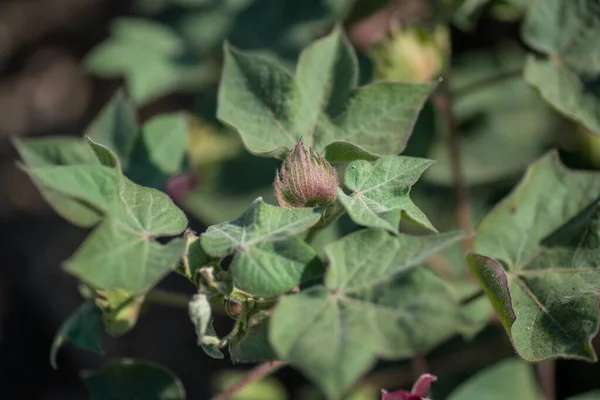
(166, 298)
(253, 375)
(487, 82)
(442, 101)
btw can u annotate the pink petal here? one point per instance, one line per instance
(422, 385)
(419, 390)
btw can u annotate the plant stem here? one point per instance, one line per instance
(419, 366)
(253, 375)
(487, 82)
(442, 101)
(324, 223)
(546, 372)
(166, 298)
(475, 296)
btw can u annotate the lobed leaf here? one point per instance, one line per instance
(267, 257)
(150, 56)
(122, 252)
(538, 261)
(370, 306)
(272, 110)
(380, 192)
(568, 76)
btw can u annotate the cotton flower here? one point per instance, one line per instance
(306, 179)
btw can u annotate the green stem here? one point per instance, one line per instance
(475, 296)
(325, 221)
(166, 298)
(487, 82)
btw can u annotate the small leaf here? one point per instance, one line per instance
(538, 261)
(371, 306)
(272, 110)
(83, 328)
(209, 348)
(569, 74)
(508, 379)
(268, 260)
(129, 379)
(380, 192)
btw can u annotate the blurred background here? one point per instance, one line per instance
(62, 60)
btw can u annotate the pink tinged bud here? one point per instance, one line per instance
(418, 392)
(306, 179)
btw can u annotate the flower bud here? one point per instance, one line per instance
(306, 179)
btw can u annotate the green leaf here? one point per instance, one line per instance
(370, 306)
(129, 379)
(149, 154)
(272, 110)
(122, 252)
(152, 57)
(380, 192)
(47, 152)
(116, 127)
(83, 329)
(210, 349)
(166, 138)
(536, 266)
(569, 74)
(508, 379)
(268, 260)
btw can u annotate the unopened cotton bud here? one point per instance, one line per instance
(305, 179)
